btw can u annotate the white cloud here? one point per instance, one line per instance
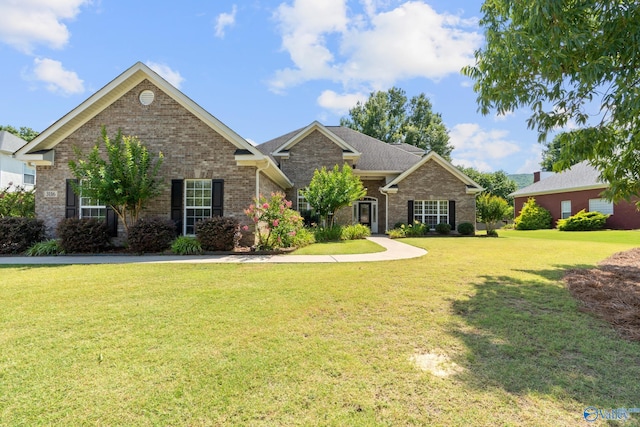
(24, 24)
(340, 104)
(166, 73)
(477, 147)
(503, 117)
(58, 79)
(532, 164)
(411, 40)
(225, 20)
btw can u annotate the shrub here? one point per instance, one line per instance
(18, 234)
(399, 225)
(83, 235)
(151, 235)
(396, 233)
(416, 229)
(466, 229)
(17, 202)
(443, 228)
(533, 217)
(48, 247)
(186, 245)
(328, 234)
(304, 237)
(217, 233)
(276, 223)
(355, 232)
(583, 221)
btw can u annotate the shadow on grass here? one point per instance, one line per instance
(529, 336)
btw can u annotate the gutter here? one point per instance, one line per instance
(386, 208)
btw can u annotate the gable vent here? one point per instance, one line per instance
(146, 97)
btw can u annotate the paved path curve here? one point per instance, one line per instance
(394, 250)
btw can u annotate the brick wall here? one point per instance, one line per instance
(431, 182)
(191, 149)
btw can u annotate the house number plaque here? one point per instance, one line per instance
(50, 193)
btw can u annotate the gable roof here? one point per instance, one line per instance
(581, 176)
(472, 186)
(375, 155)
(39, 150)
(9, 143)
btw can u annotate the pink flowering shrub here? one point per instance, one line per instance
(276, 223)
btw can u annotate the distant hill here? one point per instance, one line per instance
(522, 179)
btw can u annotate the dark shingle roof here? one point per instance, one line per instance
(376, 155)
(579, 177)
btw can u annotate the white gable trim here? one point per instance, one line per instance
(349, 153)
(472, 186)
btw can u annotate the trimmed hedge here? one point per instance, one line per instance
(443, 228)
(151, 235)
(466, 229)
(583, 221)
(83, 235)
(18, 234)
(217, 233)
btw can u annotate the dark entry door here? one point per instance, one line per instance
(364, 213)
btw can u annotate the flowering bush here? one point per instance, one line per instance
(276, 223)
(18, 202)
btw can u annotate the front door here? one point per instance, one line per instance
(364, 213)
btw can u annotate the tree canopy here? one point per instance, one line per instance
(125, 181)
(551, 154)
(331, 190)
(494, 183)
(491, 210)
(572, 63)
(24, 132)
(391, 117)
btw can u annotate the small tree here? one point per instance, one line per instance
(491, 210)
(18, 202)
(329, 191)
(125, 181)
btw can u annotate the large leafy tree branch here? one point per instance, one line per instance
(122, 175)
(571, 61)
(391, 117)
(331, 190)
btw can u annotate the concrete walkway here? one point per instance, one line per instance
(394, 250)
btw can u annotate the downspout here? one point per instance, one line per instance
(386, 209)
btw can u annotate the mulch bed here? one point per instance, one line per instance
(611, 291)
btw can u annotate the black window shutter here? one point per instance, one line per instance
(72, 203)
(452, 214)
(177, 187)
(217, 197)
(410, 212)
(112, 222)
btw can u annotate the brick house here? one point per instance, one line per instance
(568, 192)
(210, 170)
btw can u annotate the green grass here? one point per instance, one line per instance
(631, 237)
(343, 247)
(314, 344)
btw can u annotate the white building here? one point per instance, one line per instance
(13, 170)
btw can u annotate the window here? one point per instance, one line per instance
(91, 208)
(29, 175)
(601, 205)
(431, 212)
(197, 203)
(302, 202)
(565, 209)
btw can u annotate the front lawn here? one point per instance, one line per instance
(478, 332)
(343, 247)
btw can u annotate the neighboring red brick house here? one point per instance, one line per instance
(568, 192)
(210, 170)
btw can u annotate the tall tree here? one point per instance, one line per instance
(331, 190)
(568, 60)
(24, 132)
(494, 183)
(390, 117)
(551, 155)
(125, 181)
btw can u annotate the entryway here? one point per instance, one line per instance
(365, 212)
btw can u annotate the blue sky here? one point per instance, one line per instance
(264, 68)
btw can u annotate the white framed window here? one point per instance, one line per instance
(601, 205)
(92, 208)
(197, 203)
(431, 212)
(29, 175)
(303, 205)
(565, 209)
